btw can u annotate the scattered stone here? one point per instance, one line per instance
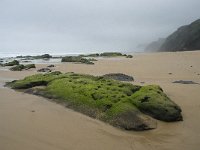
(50, 66)
(44, 70)
(33, 111)
(142, 82)
(191, 66)
(185, 82)
(119, 76)
(129, 56)
(170, 73)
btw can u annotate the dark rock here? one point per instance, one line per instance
(50, 66)
(45, 56)
(129, 56)
(170, 73)
(26, 61)
(44, 70)
(29, 66)
(55, 73)
(119, 76)
(185, 82)
(17, 68)
(111, 54)
(12, 63)
(76, 59)
(21, 67)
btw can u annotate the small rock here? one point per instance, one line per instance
(185, 82)
(51, 66)
(44, 70)
(33, 111)
(170, 73)
(119, 76)
(129, 56)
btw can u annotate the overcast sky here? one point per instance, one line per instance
(77, 26)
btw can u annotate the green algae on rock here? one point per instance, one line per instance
(12, 63)
(77, 59)
(20, 67)
(121, 104)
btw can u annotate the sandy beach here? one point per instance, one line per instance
(34, 123)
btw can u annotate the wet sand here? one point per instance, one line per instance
(32, 122)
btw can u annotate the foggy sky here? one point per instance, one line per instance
(77, 26)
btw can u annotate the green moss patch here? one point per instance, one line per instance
(12, 63)
(121, 104)
(77, 59)
(20, 67)
(153, 101)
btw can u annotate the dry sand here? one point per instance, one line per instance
(34, 123)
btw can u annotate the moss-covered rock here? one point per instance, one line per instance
(153, 101)
(76, 59)
(120, 104)
(17, 68)
(29, 66)
(107, 54)
(12, 63)
(44, 56)
(22, 67)
(111, 54)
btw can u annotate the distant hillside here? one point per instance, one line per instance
(186, 38)
(155, 45)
